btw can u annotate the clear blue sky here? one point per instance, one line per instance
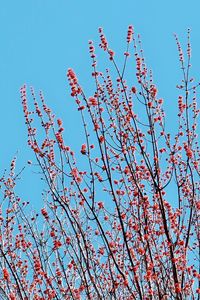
(41, 39)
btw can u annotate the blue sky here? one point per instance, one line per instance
(41, 39)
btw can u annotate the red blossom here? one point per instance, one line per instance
(83, 149)
(93, 101)
(6, 275)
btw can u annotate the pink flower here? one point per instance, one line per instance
(83, 149)
(93, 101)
(6, 275)
(100, 205)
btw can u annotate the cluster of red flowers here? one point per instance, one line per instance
(75, 89)
(109, 231)
(104, 43)
(130, 33)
